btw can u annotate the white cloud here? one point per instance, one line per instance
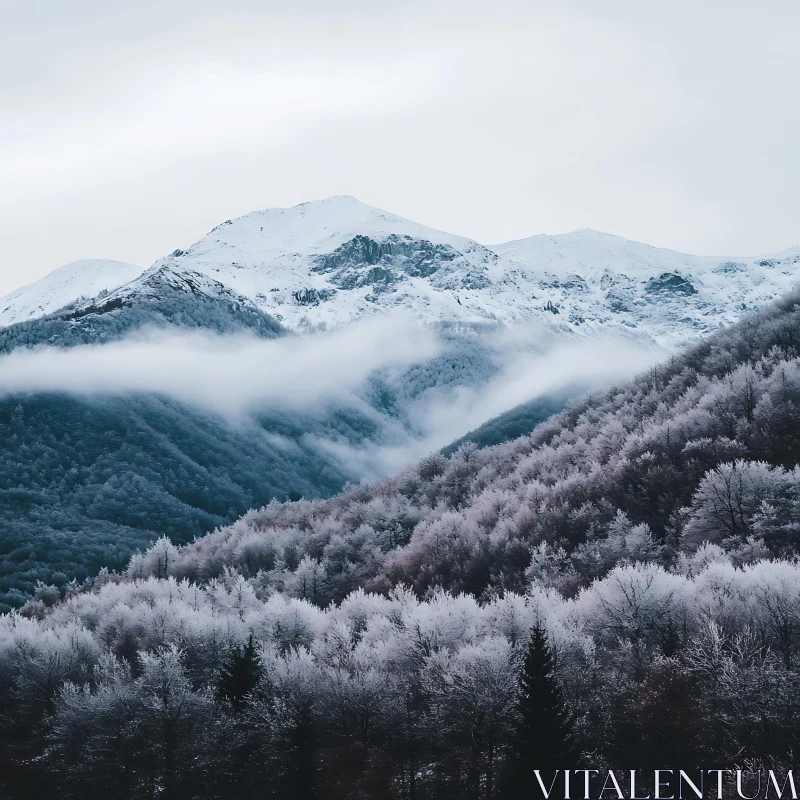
(228, 374)
(529, 368)
(236, 375)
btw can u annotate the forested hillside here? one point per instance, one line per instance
(701, 448)
(86, 482)
(378, 644)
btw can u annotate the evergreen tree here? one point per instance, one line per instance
(543, 739)
(239, 675)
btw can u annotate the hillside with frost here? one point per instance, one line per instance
(372, 645)
(701, 448)
(160, 298)
(79, 280)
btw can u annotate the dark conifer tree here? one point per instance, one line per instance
(239, 675)
(543, 738)
(302, 781)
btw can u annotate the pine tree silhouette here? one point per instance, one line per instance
(543, 739)
(239, 675)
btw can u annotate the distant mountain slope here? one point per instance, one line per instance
(84, 483)
(332, 261)
(159, 298)
(85, 279)
(329, 262)
(595, 277)
(517, 421)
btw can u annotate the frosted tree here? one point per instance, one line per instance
(727, 498)
(157, 560)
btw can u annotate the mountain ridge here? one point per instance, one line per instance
(64, 285)
(329, 262)
(158, 298)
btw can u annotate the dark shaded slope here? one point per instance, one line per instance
(84, 483)
(518, 421)
(160, 298)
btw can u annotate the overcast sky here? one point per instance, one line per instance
(128, 129)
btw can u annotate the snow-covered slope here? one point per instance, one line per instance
(331, 261)
(596, 278)
(160, 297)
(86, 278)
(153, 283)
(326, 263)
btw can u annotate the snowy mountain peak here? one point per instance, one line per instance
(317, 226)
(334, 200)
(328, 262)
(85, 278)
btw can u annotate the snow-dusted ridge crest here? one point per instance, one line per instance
(329, 262)
(79, 279)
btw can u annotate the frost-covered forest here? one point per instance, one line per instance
(116, 692)
(624, 579)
